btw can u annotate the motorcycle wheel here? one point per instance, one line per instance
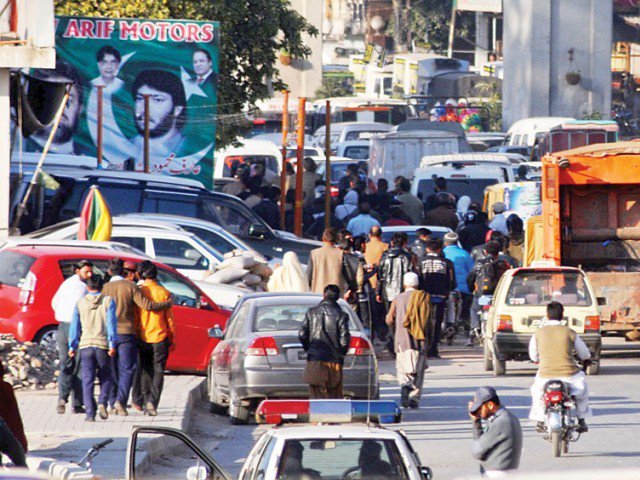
(556, 443)
(488, 358)
(565, 446)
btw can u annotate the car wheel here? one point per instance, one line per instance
(488, 358)
(47, 338)
(214, 404)
(238, 414)
(499, 366)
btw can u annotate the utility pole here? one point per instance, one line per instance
(297, 207)
(285, 162)
(327, 166)
(452, 29)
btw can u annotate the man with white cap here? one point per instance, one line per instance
(409, 317)
(499, 222)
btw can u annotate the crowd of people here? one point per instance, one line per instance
(117, 328)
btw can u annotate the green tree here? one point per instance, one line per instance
(252, 34)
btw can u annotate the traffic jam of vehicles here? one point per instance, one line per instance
(340, 289)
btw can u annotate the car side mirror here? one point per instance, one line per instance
(258, 231)
(602, 301)
(197, 473)
(426, 472)
(216, 332)
(192, 254)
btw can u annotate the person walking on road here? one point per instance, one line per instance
(409, 317)
(64, 303)
(325, 264)
(483, 280)
(288, 277)
(438, 280)
(123, 289)
(498, 446)
(362, 223)
(394, 263)
(325, 337)
(156, 334)
(92, 335)
(460, 299)
(372, 255)
(410, 204)
(553, 346)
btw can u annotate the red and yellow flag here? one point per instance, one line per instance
(95, 218)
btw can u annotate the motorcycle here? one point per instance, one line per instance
(485, 304)
(561, 424)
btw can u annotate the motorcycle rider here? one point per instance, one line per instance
(552, 346)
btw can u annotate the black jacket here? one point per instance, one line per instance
(324, 333)
(394, 263)
(437, 276)
(419, 249)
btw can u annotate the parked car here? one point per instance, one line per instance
(179, 249)
(27, 241)
(31, 275)
(354, 149)
(132, 192)
(260, 355)
(519, 306)
(350, 131)
(213, 235)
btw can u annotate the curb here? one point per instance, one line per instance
(153, 448)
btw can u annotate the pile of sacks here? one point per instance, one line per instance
(28, 365)
(241, 270)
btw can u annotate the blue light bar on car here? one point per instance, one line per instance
(328, 411)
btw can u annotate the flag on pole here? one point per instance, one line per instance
(95, 219)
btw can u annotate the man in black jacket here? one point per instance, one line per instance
(325, 337)
(437, 278)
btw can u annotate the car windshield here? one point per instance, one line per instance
(235, 217)
(536, 288)
(339, 458)
(14, 267)
(287, 317)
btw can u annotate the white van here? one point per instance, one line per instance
(341, 132)
(524, 132)
(247, 152)
(466, 174)
(400, 153)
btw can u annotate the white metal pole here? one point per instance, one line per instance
(5, 152)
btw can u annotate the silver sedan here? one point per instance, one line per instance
(260, 356)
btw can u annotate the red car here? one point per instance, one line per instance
(30, 276)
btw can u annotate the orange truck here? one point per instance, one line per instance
(591, 220)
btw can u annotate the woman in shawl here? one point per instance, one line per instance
(349, 207)
(289, 277)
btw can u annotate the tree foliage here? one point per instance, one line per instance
(252, 34)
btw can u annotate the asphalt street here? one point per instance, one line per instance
(440, 430)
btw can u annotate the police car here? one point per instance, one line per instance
(346, 442)
(340, 440)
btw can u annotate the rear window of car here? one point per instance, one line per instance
(357, 153)
(472, 187)
(412, 235)
(270, 318)
(14, 267)
(531, 288)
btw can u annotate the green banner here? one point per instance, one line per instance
(172, 63)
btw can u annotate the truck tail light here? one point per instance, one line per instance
(592, 322)
(359, 346)
(334, 191)
(27, 293)
(505, 323)
(263, 346)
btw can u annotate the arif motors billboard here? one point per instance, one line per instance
(172, 62)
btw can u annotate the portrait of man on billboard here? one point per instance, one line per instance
(167, 116)
(63, 139)
(115, 148)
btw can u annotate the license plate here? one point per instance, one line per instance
(302, 355)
